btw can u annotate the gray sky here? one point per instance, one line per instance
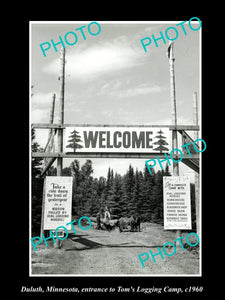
(110, 79)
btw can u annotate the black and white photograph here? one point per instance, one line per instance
(116, 149)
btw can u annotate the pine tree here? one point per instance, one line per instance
(114, 196)
(161, 142)
(148, 183)
(74, 140)
(167, 172)
(137, 195)
(123, 202)
(157, 201)
(107, 190)
(75, 172)
(127, 188)
(100, 189)
(93, 201)
(86, 186)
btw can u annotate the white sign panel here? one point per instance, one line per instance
(58, 202)
(177, 202)
(117, 139)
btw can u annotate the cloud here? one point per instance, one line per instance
(142, 89)
(98, 60)
(118, 88)
(153, 29)
(40, 107)
(39, 115)
(41, 99)
(41, 137)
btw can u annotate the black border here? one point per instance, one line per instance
(21, 240)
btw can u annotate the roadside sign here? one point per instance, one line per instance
(177, 202)
(58, 201)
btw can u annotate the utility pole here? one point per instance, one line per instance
(57, 245)
(195, 121)
(173, 115)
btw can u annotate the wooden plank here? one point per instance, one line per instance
(186, 138)
(47, 125)
(63, 126)
(107, 155)
(191, 164)
(48, 165)
(197, 195)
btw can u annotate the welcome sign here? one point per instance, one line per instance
(117, 139)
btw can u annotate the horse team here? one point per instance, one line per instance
(104, 221)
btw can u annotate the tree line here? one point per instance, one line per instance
(134, 192)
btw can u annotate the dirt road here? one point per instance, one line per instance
(113, 253)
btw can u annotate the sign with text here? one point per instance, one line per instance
(117, 139)
(177, 202)
(58, 201)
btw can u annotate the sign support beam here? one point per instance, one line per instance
(197, 200)
(133, 155)
(63, 126)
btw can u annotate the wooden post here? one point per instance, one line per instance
(42, 211)
(52, 113)
(51, 120)
(173, 107)
(197, 200)
(173, 115)
(58, 245)
(47, 148)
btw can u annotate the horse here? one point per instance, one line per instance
(125, 223)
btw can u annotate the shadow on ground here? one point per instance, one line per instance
(89, 244)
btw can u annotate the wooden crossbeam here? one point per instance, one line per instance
(63, 126)
(107, 155)
(191, 164)
(48, 165)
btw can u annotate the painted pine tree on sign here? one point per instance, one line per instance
(74, 140)
(161, 142)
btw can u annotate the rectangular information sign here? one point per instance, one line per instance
(177, 202)
(58, 202)
(117, 139)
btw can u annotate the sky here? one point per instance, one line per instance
(110, 79)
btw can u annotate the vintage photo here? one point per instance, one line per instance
(115, 148)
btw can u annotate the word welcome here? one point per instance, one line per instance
(164, 249)
(52, 236)
(168, 32)
(71, 37)
(181, 154)
(118, 139)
